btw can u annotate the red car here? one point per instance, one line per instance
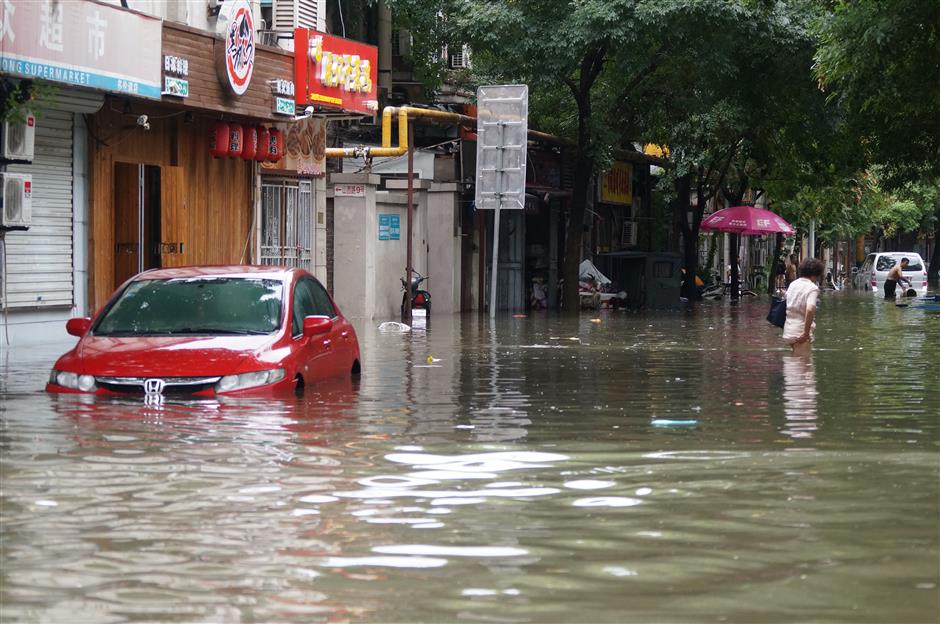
(207, 331)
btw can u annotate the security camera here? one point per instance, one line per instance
(143, 122)
(308, 110)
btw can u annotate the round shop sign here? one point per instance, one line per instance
(237, 53)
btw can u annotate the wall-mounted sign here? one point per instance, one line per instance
(389, 227)
(283, 106)
(236, 52)
(349, 190)
(175, 71)
(81, 43)
(284, 88)
(176, 87)
(334, 72)
(616, 186)
(304, 147)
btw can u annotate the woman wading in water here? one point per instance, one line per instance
(802, 295)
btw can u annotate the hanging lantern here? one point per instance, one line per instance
(264, 138)
(275, 145)
(250, 147)
(236, 140)
(218, 139)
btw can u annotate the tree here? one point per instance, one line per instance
(19, 97)
(877, 60)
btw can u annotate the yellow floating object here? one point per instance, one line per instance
(430, 360)
(595, 320)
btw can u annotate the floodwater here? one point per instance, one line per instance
(676, 467)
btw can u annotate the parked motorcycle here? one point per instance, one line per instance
(420, 299)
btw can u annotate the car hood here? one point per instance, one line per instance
(168, 356)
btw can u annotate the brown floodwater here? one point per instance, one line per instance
(669, 466)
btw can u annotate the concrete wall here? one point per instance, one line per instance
(367, 271)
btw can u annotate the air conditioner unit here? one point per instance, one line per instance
(19, 140)
(628, 239)
(16, 201)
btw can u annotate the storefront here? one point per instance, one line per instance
(76, 51)
(178, 182)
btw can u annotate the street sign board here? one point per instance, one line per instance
(502, 130)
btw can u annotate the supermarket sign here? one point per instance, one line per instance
(83, 44)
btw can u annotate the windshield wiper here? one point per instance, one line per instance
(215, 331)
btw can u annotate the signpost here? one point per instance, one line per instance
(502, 130)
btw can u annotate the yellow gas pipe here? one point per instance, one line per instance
(403, 112)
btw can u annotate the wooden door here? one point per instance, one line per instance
(173, 222)
(126, 221)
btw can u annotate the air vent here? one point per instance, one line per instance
(628, 239)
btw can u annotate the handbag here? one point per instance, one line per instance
(778, 311)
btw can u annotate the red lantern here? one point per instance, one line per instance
(236, 140)
(251, 143)
(275, 145)
(264, 138)
(218, 139)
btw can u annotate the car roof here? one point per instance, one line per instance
(900, 254)
(235, 270)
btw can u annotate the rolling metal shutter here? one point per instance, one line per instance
(39, 260)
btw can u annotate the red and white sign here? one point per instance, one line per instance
(334, 72)
(85, 44)
(236, 59)
(349, 190)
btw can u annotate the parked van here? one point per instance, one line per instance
(875, 269)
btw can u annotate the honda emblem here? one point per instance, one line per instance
(154, 387)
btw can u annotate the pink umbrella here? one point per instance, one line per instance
(747, 220)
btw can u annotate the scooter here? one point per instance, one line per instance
(420, 299)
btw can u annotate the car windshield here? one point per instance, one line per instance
(886, 262)
(203, 305)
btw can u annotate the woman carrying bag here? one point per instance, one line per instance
(802, 296)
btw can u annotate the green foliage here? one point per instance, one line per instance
(878, 60)
(19, 97)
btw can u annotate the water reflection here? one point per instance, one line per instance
(799, 395)
(537, 469)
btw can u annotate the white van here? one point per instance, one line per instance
(872, 274)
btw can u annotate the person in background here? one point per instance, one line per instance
(896, 275)
(791, 269)
(802, 296)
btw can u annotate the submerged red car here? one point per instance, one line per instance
(209, 331)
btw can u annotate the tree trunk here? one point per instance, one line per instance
(932, 272)
(591, 66)
(777, 265)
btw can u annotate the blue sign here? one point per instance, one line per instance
(389, 227)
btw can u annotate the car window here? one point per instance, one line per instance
(323, 304)
(304, 305)
(885, 263)
(204, 305)
(868, 262)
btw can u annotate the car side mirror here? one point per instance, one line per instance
(317, 325)
(78, 326)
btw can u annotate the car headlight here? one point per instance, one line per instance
(249, 380)
(73, 381)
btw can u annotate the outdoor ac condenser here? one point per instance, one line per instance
(19, 140)
(629, 234)
(16, 201)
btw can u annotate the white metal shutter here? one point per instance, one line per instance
(39, 261)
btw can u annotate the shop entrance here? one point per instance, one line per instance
(148, 220)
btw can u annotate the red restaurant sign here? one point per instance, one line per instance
(335, 72)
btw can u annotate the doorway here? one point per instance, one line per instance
(148, 231)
